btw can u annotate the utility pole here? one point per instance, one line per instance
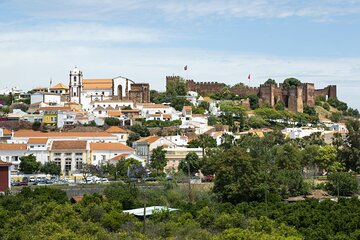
(188, 166)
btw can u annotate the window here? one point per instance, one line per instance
(16, 158)
(68, 154)
(122, 136)
(78, 154)
(68, 164)
(57, 154)
(31, 146)
(94, 157)
(103, 157)
(74, 94)
(100, 112)
(103, 93)
(57, 161)
(79, 163)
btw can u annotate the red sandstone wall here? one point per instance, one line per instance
(4, 178)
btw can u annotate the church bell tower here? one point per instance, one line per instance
(75, 85)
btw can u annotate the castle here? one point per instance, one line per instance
(86, 91)
(294, 97)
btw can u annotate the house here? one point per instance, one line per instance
(177, 154)
(11, 153)
(187, 112)
(179, 140)
(70, 155)
(4, 176)
(39, 148)
(218, 136)
(100, 153)
(144, 146)
(147, 109)
(126, 156)
(5, 133)
(22, 136)
(60, 89)
(51, 98)
(121, 134)
(294, 133)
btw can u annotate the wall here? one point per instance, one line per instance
(4, 178)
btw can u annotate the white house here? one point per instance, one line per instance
(51, 98)
(121, 134)
(11, 153)
(100, 153)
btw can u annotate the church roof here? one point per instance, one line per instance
(59, 86)
(97, 84)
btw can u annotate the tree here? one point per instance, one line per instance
(123, 193)
(176, 87)
(336, 103)
(143, 131)
(28, 164)
(132, 138)
(309, 110)
(291, 82)
(36, 126)
(280, 105)
(326, 106)
(158, 159)
(270, 81)
(254, 101)
(51, 168)
(342, 183)
(192, 162)
(336, 116)
(326, 159)
(212, 120)
(178, 102)
(350, 151)
(112, 121)
(206, 141)
(227, 141)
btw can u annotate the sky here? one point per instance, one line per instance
(223, 41)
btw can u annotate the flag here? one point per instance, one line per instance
(185, 68)
(249, 77)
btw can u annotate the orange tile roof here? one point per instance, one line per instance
(155, 115)
(120, 157)
(59, 86)
(68, 145)
(187, 107)
(148, 105)
(97, 83)
(6, 131)
(37, 140)
(11, 146)
(55, 108)
(4, 163)
(114, 113)
(166, 116)
(116, 129)
(110, 147)
(207, 99)
(31, 133)
(130, 111)
(149, 139)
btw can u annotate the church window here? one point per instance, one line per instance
(75, 94)
(103, 93)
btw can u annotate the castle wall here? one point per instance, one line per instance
(204, 87)
(309, 94)
(244, 91)
(329, 91)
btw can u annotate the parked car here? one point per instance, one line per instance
(21, 184)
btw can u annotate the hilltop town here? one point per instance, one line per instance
(94, 122)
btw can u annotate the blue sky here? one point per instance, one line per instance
(315, 41)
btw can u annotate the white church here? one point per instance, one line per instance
(87, 91)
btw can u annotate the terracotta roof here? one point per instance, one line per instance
(97, 83)
(113, 101)
(187, 107)
(119, 157)
(4, 163)
(110, 147)
(130, 111)
(207, 99)
(199, 115)
(114, 113)
(147, 105)
(77, 199)
(115, 129)
(31, 133)
(6, 131)
(109, 108)
(68, 145)
(58, 108)
(149, 139)
(59, 86)
(11, 146)
(155, 115)
(37, 140)
(166, 116)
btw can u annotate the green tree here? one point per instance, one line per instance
(143, 131)
(192, 162)
(123, 193)
(178, 102)
(212, 120)
(270, 81)
(309, 110)
(350, 151)
(51, 168)
(132, 138)
(291, 82)
(206, 141)
(280, 105)
(158, 159)
(227, 141)
(336, 116)
(254, 101)
(342, 183)
(36, 126)
(326, 106)
(28, 164)
(326, 159)
(177, 87)
(112, 121)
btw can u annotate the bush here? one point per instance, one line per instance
(112, 121)
(326, 106)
